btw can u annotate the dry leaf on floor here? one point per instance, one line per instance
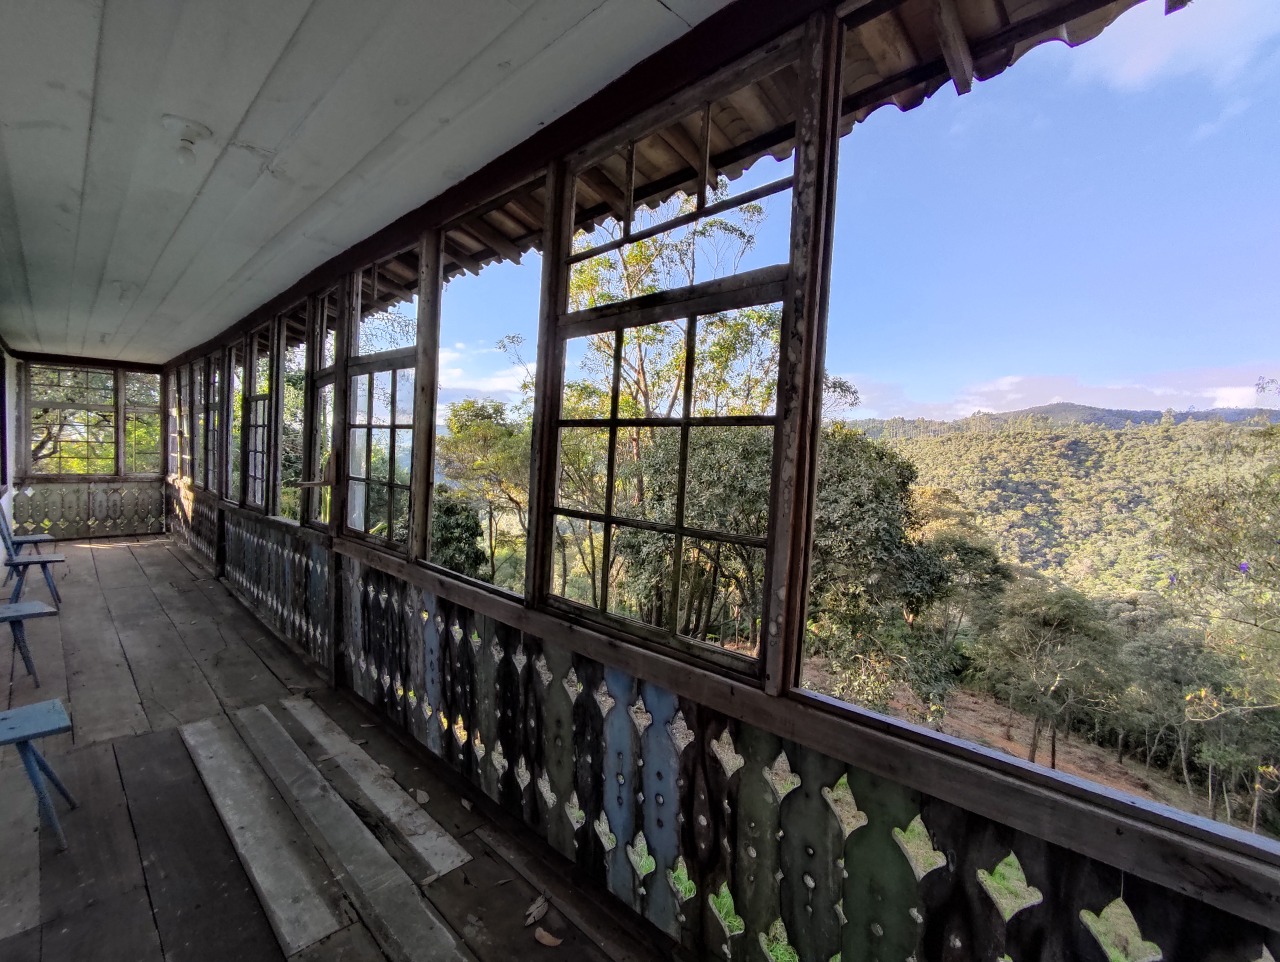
(546, 938)
(466, 803)
(420, 796)
(324, 758)
(387, 770)
(536, 910)
(361, 741)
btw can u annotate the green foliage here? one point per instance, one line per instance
(456, 533)
(722, 902)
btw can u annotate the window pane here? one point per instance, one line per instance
(640, 575)
(376, 518)
(142, 443)
(588, 377)
(357, 452)
(404, 455)
(237, 424)
(653, 371)
(581, 473)
(213, 452)
(727, 486)
(322, 450)
(293, 386)
(382, 397)
(722, 595)
(359, 399)
(69, 441)
(356, 494)
(736, 362)
(404, 396)
(388, 305)
(141, 389)
(578, 559)
(646, 477)
(380, 455)
(399, 515)
(327, 320)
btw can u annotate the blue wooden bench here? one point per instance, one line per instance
(19, 564)
(15, 615)
(19, 727)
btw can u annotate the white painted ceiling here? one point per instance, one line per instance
(328, 120)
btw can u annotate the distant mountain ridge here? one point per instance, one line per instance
(1063, 413)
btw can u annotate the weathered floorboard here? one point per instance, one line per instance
(20, 866)
(116, 928)
(205, 907)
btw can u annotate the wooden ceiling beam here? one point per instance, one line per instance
(490, 236)
(954, 44)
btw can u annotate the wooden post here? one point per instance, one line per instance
(348, 293)
(275, 419)
(120, 432)
(430, 293)
(548, 383)
(802, 343)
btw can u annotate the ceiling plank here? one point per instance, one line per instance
(48, 53)
(954, 43)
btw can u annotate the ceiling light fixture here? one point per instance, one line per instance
(189, 133)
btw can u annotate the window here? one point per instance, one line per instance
(199, 399)
(321, 469)
(669, 330)
(484, 391)
(184, 420)
(235, 402)
(213, 420)
(258, 418)
(380, 400)
(94, 421)
(172, 441)
(293, 390)
(141, 423)
(72, 420)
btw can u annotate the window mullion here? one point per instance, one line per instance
(426, 374)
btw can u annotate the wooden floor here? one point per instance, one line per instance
(148, 641)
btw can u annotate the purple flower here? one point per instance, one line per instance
(1244, 567)
(1173, 579)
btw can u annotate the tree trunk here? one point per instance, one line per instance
(1008, 722)
(1120, 747)
(1213, 794)
(1257, 805)
(1053, 747)
(1186, 772)
(493, 557)
(1035, 742)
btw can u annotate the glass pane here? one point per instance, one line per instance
(653, 371)
(357, 452)
(736, 363)
(380, 454)
(293, 386)
(640, 575)
(577, 560)
(360, 399)
(261, 360)
(722, 595)
(399, 515)
(356, 493)
(588, 377)
(381, 397)
(404, 455)
(68, 441)
(646, 476)
(237, 424)
(388, 305)
(457, 535)
(404, 396)
(581, 473)
(141, 390)
(376, 521)
(327, 319)
(727, 484)
(142, 443)
(322, 446)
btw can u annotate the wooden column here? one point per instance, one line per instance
(430, 292)
(120, 433)
(548, 383)
(348, 294)
(802, 343)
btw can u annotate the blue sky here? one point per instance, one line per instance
(1099, 225)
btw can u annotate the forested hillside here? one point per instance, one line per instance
(1082, 503)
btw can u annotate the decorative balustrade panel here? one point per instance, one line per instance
(193, 520)
(740, 844)
(285, 575)
(89, 509)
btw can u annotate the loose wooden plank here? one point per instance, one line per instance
(388, 900)
(119, 927)
(20, 866)
(171, 686)
(352, 944)
(102, 857)
(204, 905)
(303, 903)
(438, 851)
(413, 774)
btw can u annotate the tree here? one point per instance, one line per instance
(455, 533)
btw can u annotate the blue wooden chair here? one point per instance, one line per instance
(21, 726)
(15, 615)
(20, 541)
(19, 564)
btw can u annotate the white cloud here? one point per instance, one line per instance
(1217, 40)
(1182, 390)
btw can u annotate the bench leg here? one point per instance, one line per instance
(19, 578)
(20, 643)
(53, 587)
(35, 765)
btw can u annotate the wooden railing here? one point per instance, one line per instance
(685, 801)
(89, 509)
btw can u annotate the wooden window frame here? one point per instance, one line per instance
(119, 408)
